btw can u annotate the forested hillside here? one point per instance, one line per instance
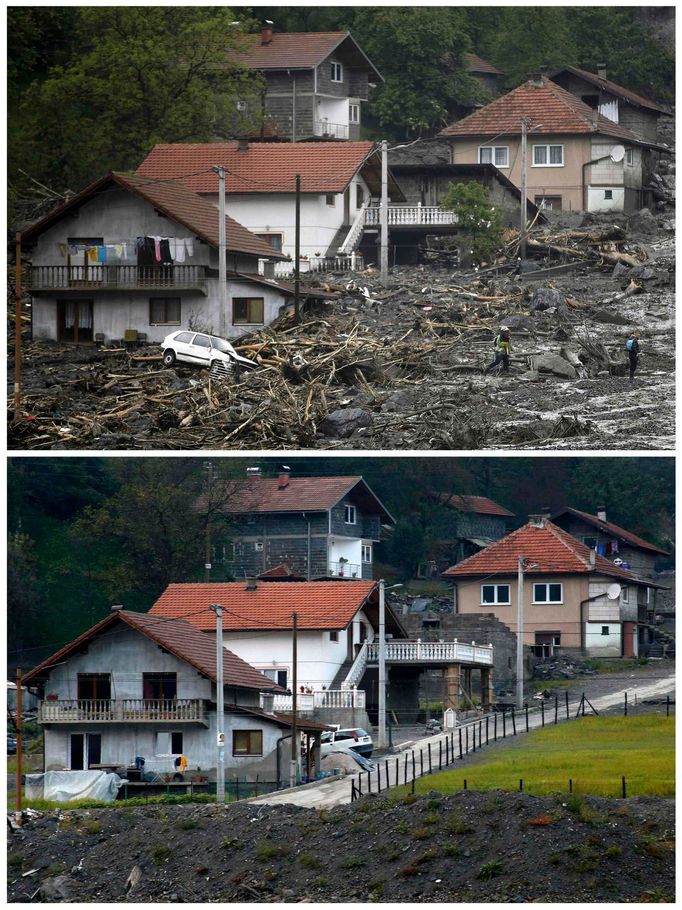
(86, 533)
(91, 89)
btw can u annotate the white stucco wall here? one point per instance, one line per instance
(597, 201)
(600, 645)
(121, 218)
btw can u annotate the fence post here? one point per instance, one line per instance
(430, 767)
(624, 790)
(667, 706)
(414, 769)
(397, 771)
(466, 746)
(360, 784)
(406, 767)
(504, 725)
(542, 712)
(526, 707)
(567, 715)
(513, 721)
(460, 743)
(556, 709)
(521, 785)
(625, 706)
(440, 754)
(369, 781)
(421, 762)
(452, 745)
(378, 778)
(473, 735)
(570, 785)
(495, 727)
(487, 738)
(465, 783)
(388, 776)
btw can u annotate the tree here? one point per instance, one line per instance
(529, 37)
(479, 222)
(141, 75)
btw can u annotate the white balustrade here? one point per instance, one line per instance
(425, 651)
(322, 698)
(357, 671)
(410, 215)
(123, 710)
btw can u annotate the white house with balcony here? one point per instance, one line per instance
(132, 259)
(136, 686)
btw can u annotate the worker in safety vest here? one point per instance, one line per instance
(502, 347)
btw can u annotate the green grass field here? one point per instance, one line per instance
(595, 752)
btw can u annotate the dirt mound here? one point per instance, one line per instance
(505, 847)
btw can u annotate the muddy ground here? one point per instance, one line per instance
(493, 847)
(395, 367)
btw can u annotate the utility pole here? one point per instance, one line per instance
(19, 748)
(297, 251)
(220, 705)
(207, 564)
(384, 212)
(382, 664)
(293, 767)
(222, 252)
(519, 635)
(524, 170)
(17, 330)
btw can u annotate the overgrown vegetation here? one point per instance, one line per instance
(479, 221)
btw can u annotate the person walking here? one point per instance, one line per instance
(502, 347)
(632, 347)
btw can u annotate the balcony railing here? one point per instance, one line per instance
(322, 698)
(334, 130)
(432, 652)
(345, 570)
(351, 263)
(122, 710)
(108, 277)
(410, 215)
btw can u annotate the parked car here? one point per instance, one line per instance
(11, 744)
(203, 350)
(356, 739)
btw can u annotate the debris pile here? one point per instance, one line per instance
(562, 667)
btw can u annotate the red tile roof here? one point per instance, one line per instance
(479, 504)
(476, 64)
(176, 636)
(280, 573)
(301, 494)
(613, 89)
(615, 530)
(550, 550)
(267, 606)
(265, 167)
(552, 108)
(178, 203)
(296, 50)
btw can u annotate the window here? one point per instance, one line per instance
(94, 685)
(159, 686)
(608, 194)
(548, 203)
(604, 630)
(629, 157)
(247, 742)
(590, 542)
(359, 196)
(494, 154)
(258, 546)
(247, 310)
(184, 337)
(648, 595)
(164, 311)
(169, 743)
(202, 341)
(336, 72)
(277, 676)
(625, 594)
(495, 594)
(274, 241)
(330, 199)
(349, 515)
(548, 594)
(334, 636)
(548, 156)
(353, 113)
(367, 552)
(176, 743)
(223, 552)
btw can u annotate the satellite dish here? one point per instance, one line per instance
(617, 153)
(613, 591)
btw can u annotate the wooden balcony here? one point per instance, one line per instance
(115, 277)
(123, 711)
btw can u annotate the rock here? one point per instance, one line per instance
(530, 376)
(620, 270)
(57, 890)
(343, 422)
(553, 363)
(644, 272)
(643, 222)
(547, 298)
(607, 317)
(518, 323)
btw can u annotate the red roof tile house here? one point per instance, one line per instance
(135, 257)
(320, 527)
(574, 599)
(337, 181)
(142, 685)
(315, 82)
(578, 160)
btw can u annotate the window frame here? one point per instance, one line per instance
(336, 68)
(625, 594)
(497, 602)
(269, 237)
(548, 584)
(249, 750)
(630, 157)
(493, 154)
(248, 302)
(354, 108)
(155, 301)
(608, 195)
(548, 146)
(333, 635)
(366, 549)
(330, 199)
(350, 514)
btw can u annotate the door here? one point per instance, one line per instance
(75, 321)
(346, 206)
(200, 349)
(77, 752)
(94, 686)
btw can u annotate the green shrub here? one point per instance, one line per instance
(490, 870)
(160, 854)
(479, 222)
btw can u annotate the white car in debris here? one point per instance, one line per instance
(203, 350)
(355, 739)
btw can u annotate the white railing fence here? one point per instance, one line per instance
(410, 215)
(355, 232)
(424, 651)
(98, 710)
(322, 698)
(356, 672)
(353, 262)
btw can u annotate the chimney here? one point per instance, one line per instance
(593, 558)
(117, 608)
(537, 521)
(266, 32)
(253, 472)
(243, 145)
(251, 585)
(537, 80)
(282, 481)
(601, 513)
(601, 70)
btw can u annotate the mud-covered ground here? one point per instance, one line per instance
(396, 367)
(470, 847)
